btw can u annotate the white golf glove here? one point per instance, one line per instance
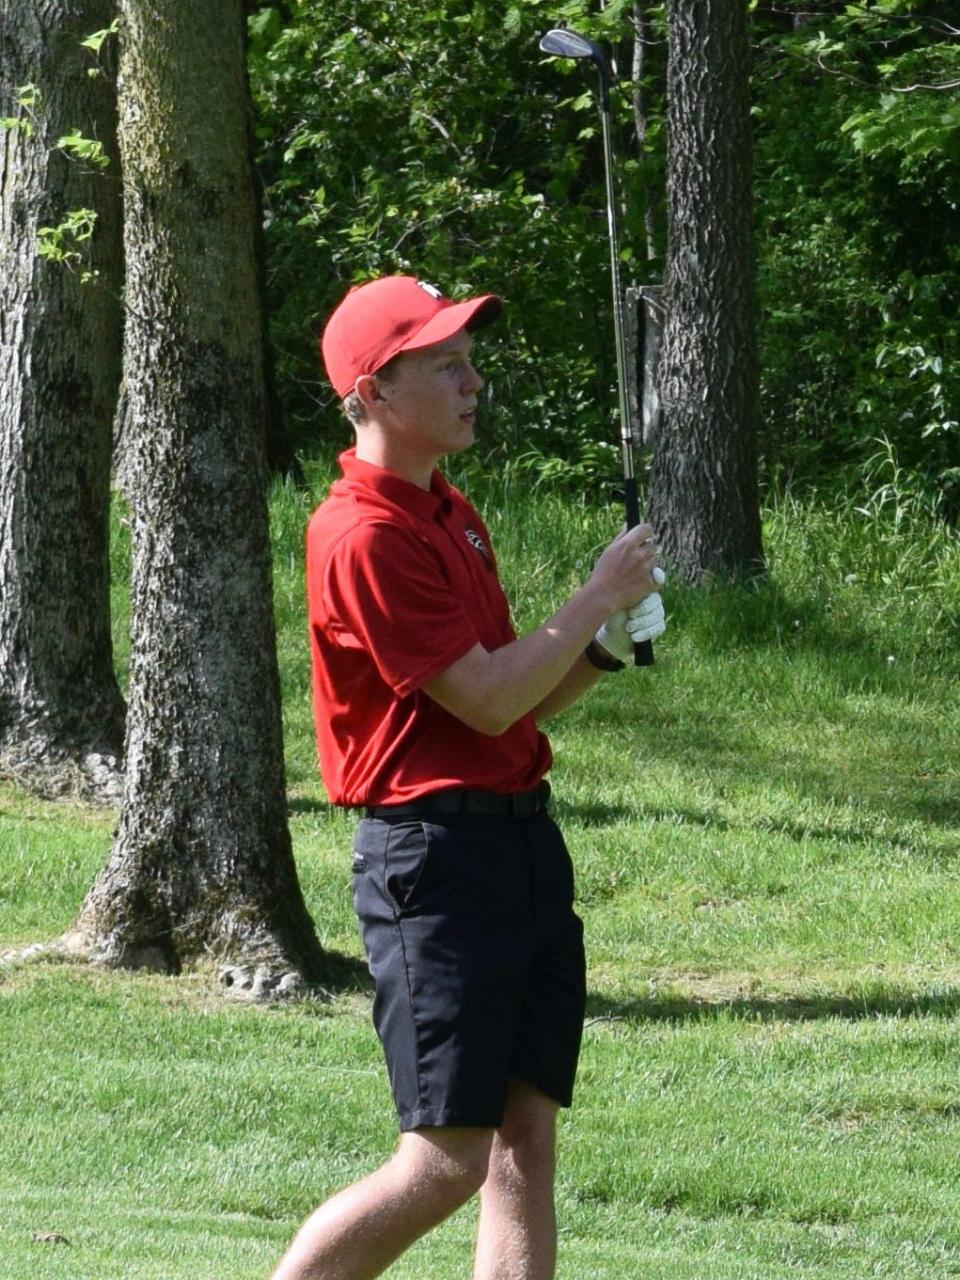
(627, 627)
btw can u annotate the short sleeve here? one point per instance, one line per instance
(386, 592)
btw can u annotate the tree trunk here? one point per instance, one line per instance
(704, 499)
(61, 714)
(641, 39)
(643, 328)
(201, 863)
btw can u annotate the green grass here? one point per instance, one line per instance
(767, 834)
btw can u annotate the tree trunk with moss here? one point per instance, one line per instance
(704, 500)
(201, 864)
(61, 713)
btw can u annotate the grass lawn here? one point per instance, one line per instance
(767, 834)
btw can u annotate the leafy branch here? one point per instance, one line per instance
(850, 78)
(27, 96)
(66, 244)
(81, 148)
(95, 41)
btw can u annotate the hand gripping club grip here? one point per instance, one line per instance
(643, 650)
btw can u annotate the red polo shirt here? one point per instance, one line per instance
(401, 583)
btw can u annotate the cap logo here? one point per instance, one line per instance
(432, 289)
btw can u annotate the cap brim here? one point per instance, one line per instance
(475, 314)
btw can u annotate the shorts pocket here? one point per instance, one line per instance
(405, 865)
(369, 843)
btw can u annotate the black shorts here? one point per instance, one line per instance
(477, 958)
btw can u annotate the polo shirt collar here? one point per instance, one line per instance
(402, 493)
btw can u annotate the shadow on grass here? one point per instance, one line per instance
(345, 975)
(882, 796)
(297, 804)
(595, 814)
(935, 813)
(882, 1002)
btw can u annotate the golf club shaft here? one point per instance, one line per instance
(642, 652)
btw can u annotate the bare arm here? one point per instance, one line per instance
(581, 677)
(544, 670)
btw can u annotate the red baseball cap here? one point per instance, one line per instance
(378, 320)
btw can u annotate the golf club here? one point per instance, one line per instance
(563, 43)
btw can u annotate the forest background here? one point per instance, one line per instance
(476, 163)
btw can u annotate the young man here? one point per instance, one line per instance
(427, 709)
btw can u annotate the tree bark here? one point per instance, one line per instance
(641, 38)
(704, 499)
(201, 863)
(61, 713)
(643, 315)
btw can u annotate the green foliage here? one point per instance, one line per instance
(27, 97)
(437, 140)
(81, 148)
(67, 243)
(95, 41)
(860, 239)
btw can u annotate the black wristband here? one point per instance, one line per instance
(599, 658)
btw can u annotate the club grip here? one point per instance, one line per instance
(643, 653)
(643, 649)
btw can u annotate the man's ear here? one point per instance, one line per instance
(368, 390)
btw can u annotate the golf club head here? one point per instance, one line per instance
(563, 43)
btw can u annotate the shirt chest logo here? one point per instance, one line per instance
(479, 546)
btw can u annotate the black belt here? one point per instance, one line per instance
(477, 804)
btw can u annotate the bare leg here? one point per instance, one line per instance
(517, 1236)
(357, 1233)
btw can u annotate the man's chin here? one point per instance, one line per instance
(466, 441)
